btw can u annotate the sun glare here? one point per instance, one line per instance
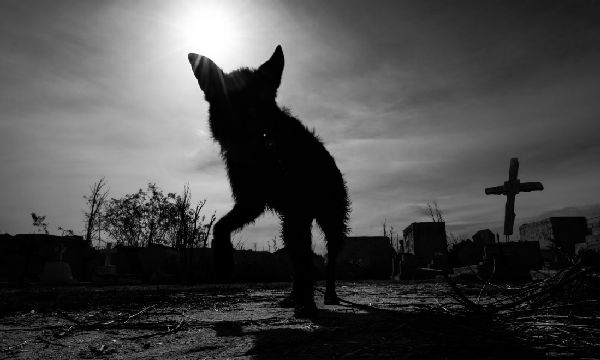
(209, 31)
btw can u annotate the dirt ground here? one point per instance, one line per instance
(415, 320)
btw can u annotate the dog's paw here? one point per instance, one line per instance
(223, 261)
(306, 311)
(331, 299)
(288, 302)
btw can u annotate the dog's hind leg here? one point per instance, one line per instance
(334, 232)
(297, 239)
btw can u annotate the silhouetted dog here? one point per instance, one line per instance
(273, 163)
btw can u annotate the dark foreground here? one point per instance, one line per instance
(378, 320)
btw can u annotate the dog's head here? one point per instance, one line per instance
(240, 88)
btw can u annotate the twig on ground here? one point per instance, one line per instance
(16, 347)
(532, 296)
(119, 321)
(160, 333)
(465, 301)
(488, 281)
(40, 338)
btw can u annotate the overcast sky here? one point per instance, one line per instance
(417, 101)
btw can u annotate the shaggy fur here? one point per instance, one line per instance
(273, 163)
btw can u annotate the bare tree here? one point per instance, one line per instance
(183, 227)
(66, 232)
(275, 245)
(39, 224)
(188, 228)
(141, 218)
(240, 243)
(95, 202)
(206, 228)
(156, 218)
(434, 212)
(393, 236)
(149, 216)
(191, 230)
(123, 217)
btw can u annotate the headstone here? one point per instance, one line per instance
(484, 237)
(108, 271)
(57, 272)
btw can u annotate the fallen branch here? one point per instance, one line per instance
(461, 297)
(125, 320)
(160, 333)
(15, 348)
(535, 295)
(119, 321)
(40, 338)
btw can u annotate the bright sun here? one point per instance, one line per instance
(209, 31)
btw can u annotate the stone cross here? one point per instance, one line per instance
(511, 188)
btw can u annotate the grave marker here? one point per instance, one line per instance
(511, 188)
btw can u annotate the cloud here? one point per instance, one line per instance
(417, 101)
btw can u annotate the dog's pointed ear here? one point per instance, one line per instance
(273, 68)
(210, 76)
